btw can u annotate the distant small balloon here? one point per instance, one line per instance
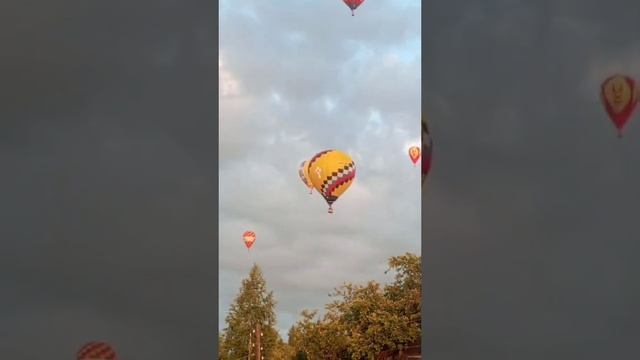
(353, 4)
(620, 97)
(96, 350)
(249, 238)
(414, 154)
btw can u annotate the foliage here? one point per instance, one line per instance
(253, 305)
(364, 320)
(360, 321)
(282, 351)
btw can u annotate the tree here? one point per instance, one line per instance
(282, 351)
(406, 291)
(365, 320)
(296, 342)
(380, 319)
(253, 305)
(317, 339)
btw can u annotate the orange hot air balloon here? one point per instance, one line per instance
(96, 350)
(620, 97)
(414, 154)
(249, 238)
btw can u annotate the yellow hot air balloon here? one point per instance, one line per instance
(304, 175)
(331, 173)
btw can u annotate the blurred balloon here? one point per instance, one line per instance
(414, 154)
(332, 172)
(620, 97)
(304, 175)
(96, 350)
(249, 238)
(427, 148)
(353, 4)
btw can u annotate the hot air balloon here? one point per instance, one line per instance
(304, 175)
(331, 173)
(353, 4)
(414, 154)
(96, 350)
(620, 97)
(427, 148)
(249, 238)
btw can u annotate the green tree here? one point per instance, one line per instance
(406, 291)
(296, 342)
(253, 305)
(364, 320)
(282, 351)
(302, 336)
(379, 319)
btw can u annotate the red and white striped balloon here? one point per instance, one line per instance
(249, 238)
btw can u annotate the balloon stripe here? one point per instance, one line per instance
(349, 177)
(329, 180)
(317, 156)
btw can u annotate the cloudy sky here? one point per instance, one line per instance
(531, 218)
(298, 77)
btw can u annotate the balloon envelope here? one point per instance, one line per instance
(620, 96)
(414, 154)
(353, 4)
(331, 172)
(96, 350)
(304, 174)
(427, 148)
(249, 237)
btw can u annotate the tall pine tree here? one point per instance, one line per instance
(253, 305)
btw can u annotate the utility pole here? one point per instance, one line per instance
(258, 348)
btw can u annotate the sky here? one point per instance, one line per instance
(296, 78)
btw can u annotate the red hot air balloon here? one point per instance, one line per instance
(249, 238)
(353, 4)
(414, 154)
(96, 350)
(620, 97)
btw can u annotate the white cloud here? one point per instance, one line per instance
(228, 85)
